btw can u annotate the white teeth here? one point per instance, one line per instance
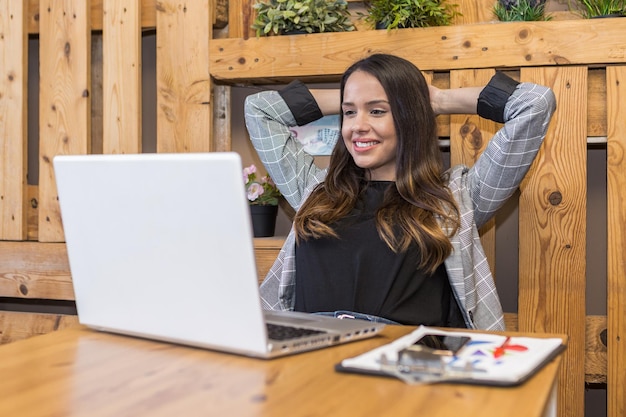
(364, 144)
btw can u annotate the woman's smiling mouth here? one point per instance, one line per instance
(363, 144)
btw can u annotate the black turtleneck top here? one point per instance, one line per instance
(358, 272)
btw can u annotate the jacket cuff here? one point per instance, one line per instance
(492, 99)
(301, 102)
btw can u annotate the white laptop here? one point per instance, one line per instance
(160, 246)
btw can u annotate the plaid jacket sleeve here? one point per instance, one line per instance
(268, 120)
(508, 156)
(481, 190)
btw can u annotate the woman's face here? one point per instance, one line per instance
(368, 130)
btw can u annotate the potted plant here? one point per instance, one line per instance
(590, 9)
(393, 14)
(263, 197)
(520, 10)
(279, 17)
(600, 8)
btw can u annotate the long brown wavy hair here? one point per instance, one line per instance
(420, 204)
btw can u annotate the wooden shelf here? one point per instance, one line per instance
(324, 56)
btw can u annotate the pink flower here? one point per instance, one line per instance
(261, 191)
(247, 171)
(267, 180)
(255, 190)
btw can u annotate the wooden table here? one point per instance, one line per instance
(80, 372)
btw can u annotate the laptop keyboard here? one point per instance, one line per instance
(278, 332)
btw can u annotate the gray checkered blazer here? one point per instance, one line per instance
(479, 191)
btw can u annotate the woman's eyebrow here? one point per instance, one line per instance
(377, 101)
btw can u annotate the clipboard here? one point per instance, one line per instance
(486, 359)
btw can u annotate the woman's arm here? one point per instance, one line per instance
(328, 100)
(269, 117)
(526, 110)
(454, 100)
(443, 101)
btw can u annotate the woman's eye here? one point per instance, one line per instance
(378, 112)
(348, 112)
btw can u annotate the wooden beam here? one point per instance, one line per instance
(552, 229)
(596, 102)
(239, 12)
(35, 270)
(16, 326)
(184, 107)
(148, 15)
(500, 45)
(13, 119)
(616, 222)
(121, 40)
(222, 128)
(65, 102)
(596, 350)
(473, 11)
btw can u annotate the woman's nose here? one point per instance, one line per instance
(359, 123)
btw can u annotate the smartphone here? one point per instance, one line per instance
(447, 345)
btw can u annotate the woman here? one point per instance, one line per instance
(383, 233)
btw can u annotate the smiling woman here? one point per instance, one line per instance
(384, 231)
(368, 130)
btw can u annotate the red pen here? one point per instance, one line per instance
(499, 351)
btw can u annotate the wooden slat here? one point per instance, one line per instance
(596, 102)
(469, 135)
(184, 108)
(121, 31)
(616, 222)
(474, 11)
(510, 44)
(97, 107)
(238, 18)
(64, 106)
(13, 120)
(220, 16)
(148, 14)
(595, 350)
(32, 211)
(552, 230)
(16, 326)
(222, 130)
(35, 270)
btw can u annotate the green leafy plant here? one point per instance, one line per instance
(520, 10)
(301, 16)
(393, 14)
(260, 191)
(596, 8)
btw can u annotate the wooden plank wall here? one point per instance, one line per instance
(90, 101)
(616, 288)
(13, 136)
(552, 226)
(184, 114)
(64, 103)
(121, 77)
